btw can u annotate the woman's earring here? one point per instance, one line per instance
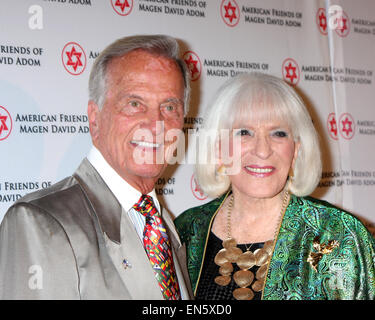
(290, 179)
(222, 170)
(291, 174)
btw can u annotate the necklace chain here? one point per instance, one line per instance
(245, 260)
(230, 208)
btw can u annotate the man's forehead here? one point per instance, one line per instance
(143, 59)
(139, 71)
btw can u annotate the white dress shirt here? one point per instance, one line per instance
(123, 191)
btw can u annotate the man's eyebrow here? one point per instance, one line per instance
(177, 100)
(134, 96)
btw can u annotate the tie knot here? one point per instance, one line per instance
(146, 206)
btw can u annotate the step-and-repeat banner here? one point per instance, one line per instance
(325, 49)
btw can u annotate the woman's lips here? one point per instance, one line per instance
(260, 171)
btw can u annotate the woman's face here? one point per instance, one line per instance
(267, 153)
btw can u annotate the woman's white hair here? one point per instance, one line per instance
(258, 96)
(162, 45)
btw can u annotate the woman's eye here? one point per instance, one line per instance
(280, 134)
(243, 132)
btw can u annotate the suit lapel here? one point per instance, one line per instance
(107, 208)
(102, 204)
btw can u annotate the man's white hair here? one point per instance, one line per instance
(155, 44)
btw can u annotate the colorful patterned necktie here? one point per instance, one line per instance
(158, 249)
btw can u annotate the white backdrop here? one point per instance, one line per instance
(325, 48)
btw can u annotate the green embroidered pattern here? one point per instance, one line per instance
(348, 272)
(345, 272)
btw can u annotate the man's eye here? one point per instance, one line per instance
(134, 104)
(170, 108)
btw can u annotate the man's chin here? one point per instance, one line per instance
(149, 171)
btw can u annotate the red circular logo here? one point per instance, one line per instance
(332, 126)
(347, 126)
(194, 65)
(321, 20)
(341, 22)
(196, 189)
(290, 70)
(73, 58)
(230, 12)
(122, 7)
(6, 123)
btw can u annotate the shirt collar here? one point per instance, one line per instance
(123, 191)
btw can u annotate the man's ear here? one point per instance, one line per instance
(93, 115)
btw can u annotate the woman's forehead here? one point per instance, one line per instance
(261, 122)
(256, 115)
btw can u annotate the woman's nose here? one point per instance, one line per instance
(262, 147)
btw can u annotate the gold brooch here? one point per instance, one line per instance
(314, 257)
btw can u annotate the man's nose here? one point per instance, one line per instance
(154, 122)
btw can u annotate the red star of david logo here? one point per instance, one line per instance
(3, 125)
(73, 58)
(192, 65)
(230, 12)
(332, 126)
(197, 191)
(323, 21)
(347, 126)
(122, 5)
(76, 61)
(232, 9)
(341, 23)
(291, 72)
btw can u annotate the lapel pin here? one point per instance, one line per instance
(126, 264)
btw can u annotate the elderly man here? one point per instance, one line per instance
(101, 234)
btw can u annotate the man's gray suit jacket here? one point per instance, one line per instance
(69, 242)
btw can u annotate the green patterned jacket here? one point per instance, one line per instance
(348, 272)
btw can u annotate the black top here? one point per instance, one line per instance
(207, 288)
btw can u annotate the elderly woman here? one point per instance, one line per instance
(262, 238)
